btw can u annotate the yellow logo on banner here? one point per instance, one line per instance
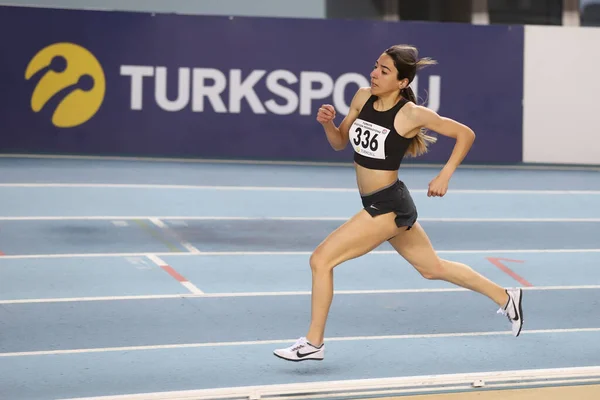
(72, 73)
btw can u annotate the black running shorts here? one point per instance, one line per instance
(394, 198)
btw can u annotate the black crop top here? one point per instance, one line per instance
(376, 143)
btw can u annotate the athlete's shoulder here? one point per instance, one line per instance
(364, 90)
(415, 112)
(363, 93)
(361, 96)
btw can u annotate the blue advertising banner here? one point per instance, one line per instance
(117, 83)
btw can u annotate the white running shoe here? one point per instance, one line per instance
(301, 350)
(514, 310)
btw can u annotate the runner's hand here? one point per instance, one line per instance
(438, 187)
(326, 114)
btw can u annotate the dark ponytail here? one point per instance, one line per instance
(407, 62)
(421, 141)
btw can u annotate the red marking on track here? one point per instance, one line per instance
(173, 273)
(497, 261)
(2, 254)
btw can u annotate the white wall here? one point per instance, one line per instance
(267, 8)
(562, 95)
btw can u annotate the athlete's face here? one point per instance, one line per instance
(384, 76)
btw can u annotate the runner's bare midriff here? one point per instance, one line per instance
(370, 181)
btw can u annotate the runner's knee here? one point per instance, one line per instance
(431, 270)
(318, 262)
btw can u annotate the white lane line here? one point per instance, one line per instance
(158, 220)
(284, 341)
(409, 164)
(284, 188)
(187, 245)
(282, 253)
(174, 274)
(200, 294)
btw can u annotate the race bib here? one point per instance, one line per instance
(368, 139)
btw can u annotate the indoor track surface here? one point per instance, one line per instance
(121, 277)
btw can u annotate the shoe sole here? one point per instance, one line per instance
(298, 360)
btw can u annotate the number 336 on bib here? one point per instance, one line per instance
(368, 139)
